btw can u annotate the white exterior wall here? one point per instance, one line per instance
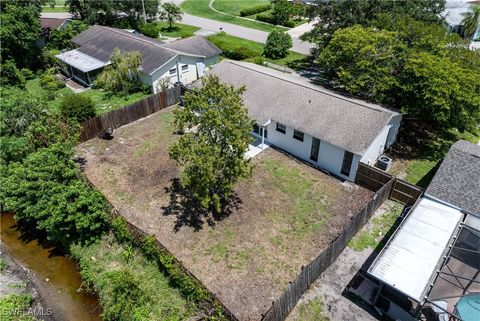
(330, 157)
(395, 127)
(377, 147)
(191, 74)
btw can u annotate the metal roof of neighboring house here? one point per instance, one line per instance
(457, 181)
(195, 45)
(289, 99)
(81, 61)
(99, 42)
(410, 258)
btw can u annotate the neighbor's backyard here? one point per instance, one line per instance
(279, 220)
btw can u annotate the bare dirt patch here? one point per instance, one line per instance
(279, 220)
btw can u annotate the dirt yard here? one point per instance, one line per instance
(280, 219)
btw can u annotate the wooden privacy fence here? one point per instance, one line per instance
(374, 178)
(125, 115)
(283, 305)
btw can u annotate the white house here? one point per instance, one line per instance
(182, 61)
(330, 131)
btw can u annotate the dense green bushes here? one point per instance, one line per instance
(77, 107)
(11, 75)
(255, 9)
(232, 50)
(50, 82)
(269, 18)
(45, 192)
(149, 29)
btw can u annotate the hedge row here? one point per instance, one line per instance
(255, 9)
(267, 17)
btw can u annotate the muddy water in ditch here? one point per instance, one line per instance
(57, 278)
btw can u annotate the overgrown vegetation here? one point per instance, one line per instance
(77, 107)
(371, 236)
(135, 289)
(122, 76)
(14, 307)
(312, 311)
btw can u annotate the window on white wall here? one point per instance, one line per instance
(173, 71)
(185, 68)
(347, 163)
(298, 135)
(281, 128)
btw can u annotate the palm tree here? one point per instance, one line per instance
(471, 20)
(171, 13)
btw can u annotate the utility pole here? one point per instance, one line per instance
(144, 14)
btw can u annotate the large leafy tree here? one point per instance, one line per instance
(281, 11)
(105, 12)
(19, 28)
(278, 44)
(122, 75)
(441, 91)
(62, 39)
(336, 14)
(364, 61)
(171, 13)
(45, 193)
(212, 154)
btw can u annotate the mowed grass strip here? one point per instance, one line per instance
(200, 8)
(234, 7)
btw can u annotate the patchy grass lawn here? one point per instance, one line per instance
(200, 8)
(378, 228)
(103, 102)
(223, 40)
(178, 30)
(312, 311)
(280, 219)
(159, 300)
(419, 151)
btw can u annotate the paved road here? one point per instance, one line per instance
(241, 32)
(57, 15)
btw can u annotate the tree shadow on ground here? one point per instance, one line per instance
(190, 213)
(417, 140)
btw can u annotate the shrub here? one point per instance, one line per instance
(11, 75)
(149, 29)
(257, 60)
(267, 17)
(77, 107)
(50, 82)
(278, 43)
(255, 9)
(27, 73)
(238, 53)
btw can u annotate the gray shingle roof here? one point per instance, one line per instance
(195, 45)
(348, 123)
(457, 181)
(99, 43)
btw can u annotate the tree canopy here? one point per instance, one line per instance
(212, 153)
(170, 12)
(122, 75)
(19, 30)
(278, 44)
(471, 21)
(336, 14)
(105, 12)
(62, 38)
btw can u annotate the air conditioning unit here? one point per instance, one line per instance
(384, 163)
